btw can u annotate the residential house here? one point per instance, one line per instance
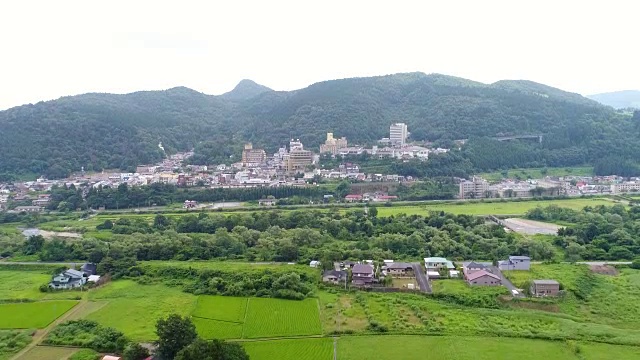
(362, 274)
(515, 263)
(545, 288)
(472, 266)
(398, 269)
(334, 276)
(437, 263)
(69, 279)
(89, 269)
(483, 278)
(314, 263)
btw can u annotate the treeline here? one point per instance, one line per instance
(596, 233)
(287, 236)
(123, 197)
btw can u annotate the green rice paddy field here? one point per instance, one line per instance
(492, 208)
(32, 315)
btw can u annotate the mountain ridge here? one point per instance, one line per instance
(100, 131)
(618, 99)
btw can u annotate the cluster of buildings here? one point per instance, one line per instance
(479, 188)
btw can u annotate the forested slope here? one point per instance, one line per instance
(119, 131)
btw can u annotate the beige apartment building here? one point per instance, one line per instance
(333, 145)
(473, 189)
(398, 134)
(251, 156)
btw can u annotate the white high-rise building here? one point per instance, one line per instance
(398, 134)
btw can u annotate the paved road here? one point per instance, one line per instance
(508, 284)
(422, 279)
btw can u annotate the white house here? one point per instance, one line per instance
(70, 279)
(435, 263)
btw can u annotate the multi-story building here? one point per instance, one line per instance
(251, 156)
(625, 187)
(332, 145)
(298, 158)
(398, 134)
(475, 188)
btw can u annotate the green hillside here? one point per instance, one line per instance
(100, 131)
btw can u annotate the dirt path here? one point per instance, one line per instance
(42, 333)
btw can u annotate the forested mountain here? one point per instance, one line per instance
(619, 99)
(246, 89)
(119, 131)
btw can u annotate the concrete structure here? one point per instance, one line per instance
(398, 134)
(515, 263)
(251, 156)
(625, 187)
(333, 145)
(545, 288)
(267, 202)
(298, 158)
(29, 209)
(476, 188)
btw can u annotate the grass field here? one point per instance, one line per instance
(32, 315)
(48, 353)
(223, 308)
(491, 208)
(275, 317)
(537, 173)
(291, 349)
(21, 284)
(134, 309)
(609, 300)
(473, 348)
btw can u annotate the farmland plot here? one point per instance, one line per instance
(32, 315)
(223, 308)
(291, 349)
(214, 329)
(275, 317)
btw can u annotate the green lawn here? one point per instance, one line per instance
(134, 309)
(276, 317)
(223, 308)
(291, 349)
(536, 173)
(595, 351)
(32, 315)
(491, 208)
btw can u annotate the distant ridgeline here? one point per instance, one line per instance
(104, 131)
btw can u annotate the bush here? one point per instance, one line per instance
(85, 354)
(88, 334)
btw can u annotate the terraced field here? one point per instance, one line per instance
(32, 315)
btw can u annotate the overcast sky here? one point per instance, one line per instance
(57, 48)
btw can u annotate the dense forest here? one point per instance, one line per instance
(103, 131)
(595, 233)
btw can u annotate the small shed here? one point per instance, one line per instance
(314, 263)
(545, 288)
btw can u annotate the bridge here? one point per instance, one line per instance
(519, 137)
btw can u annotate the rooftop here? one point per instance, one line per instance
(546, 282)
(481, 273)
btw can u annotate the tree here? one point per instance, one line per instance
(373, 211)
(212, 350)
(174, 334)
(636, 263)
(135, 351)
(34, 244)
(343, 189)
